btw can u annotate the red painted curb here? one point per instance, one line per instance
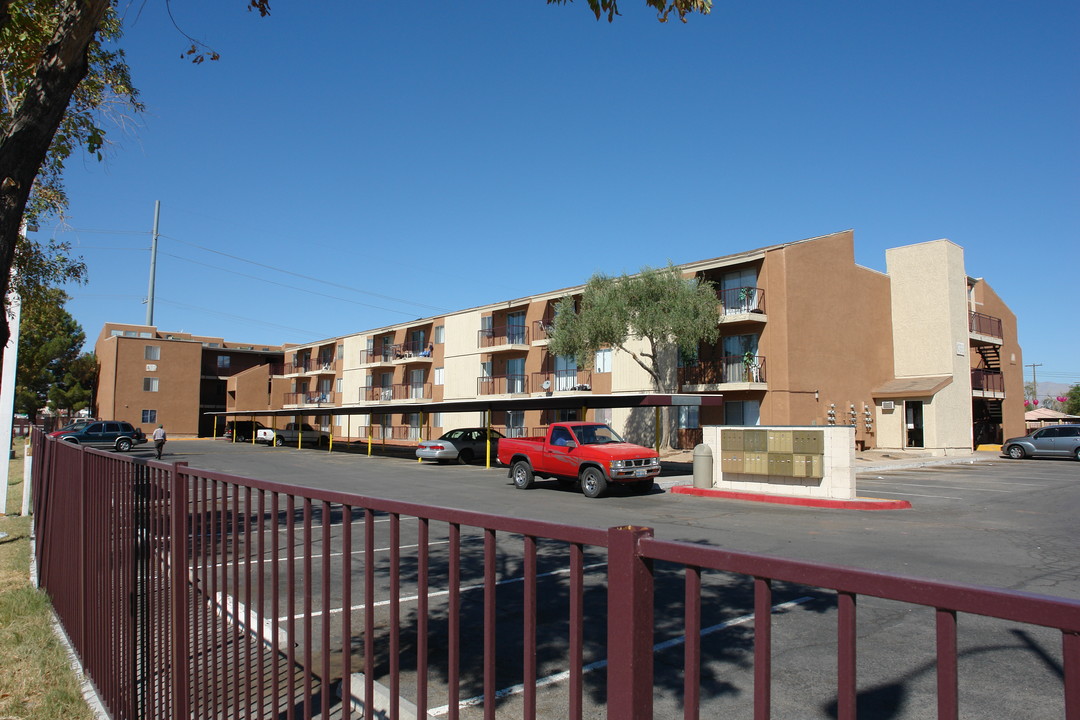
(788, 500)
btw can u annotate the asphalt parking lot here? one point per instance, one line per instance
(1003, 523)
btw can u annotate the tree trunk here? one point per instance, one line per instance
(25, 145)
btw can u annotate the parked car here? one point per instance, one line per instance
(292, 434)
(591, 454)
(79, 423)
(107, 434)
(463, 445)
(1052, 441)
(244, 429)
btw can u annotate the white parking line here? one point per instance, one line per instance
(565, 674)
(942, 487)
(438, 593)
(318, 558)
(943, 497)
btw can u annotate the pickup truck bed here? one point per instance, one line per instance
(591, 454)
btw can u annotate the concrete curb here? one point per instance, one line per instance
(830, 503)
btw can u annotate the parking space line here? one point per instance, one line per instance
(943, 497)
(942, 487)
(438, 593)
(599, 664)
(333, 554)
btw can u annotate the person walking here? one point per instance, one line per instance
(159, 440)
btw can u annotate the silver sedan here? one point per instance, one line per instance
(463, 445)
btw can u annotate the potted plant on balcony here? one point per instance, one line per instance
(751, 366)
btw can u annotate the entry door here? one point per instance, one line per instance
(914, 420)
(565, 372)
(416, 384)
(386, 381)
(515, 375)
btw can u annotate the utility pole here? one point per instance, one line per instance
(1034, 383)
(153, 265)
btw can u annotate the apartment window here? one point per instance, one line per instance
(745, 412)
(602, 415)
(436, 419)
(515, 423)
(340, 351)
(152, 352)
(223, 361)
(438, 379)
(150, 384)
(130, 333)
(117, 332)
(566, 415)
(149, 416)
(146, 335)
(602, 363)
(338, 385)
(688, 417)
(440, 333)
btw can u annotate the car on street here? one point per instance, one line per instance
(121, 436)
(292, 434)
(463, 445)
(1052, 441)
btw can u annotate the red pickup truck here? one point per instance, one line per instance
(590, 453)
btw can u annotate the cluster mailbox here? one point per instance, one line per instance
(781, 453)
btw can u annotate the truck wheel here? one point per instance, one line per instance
(522, 474)
(279, 441)
(593, 483)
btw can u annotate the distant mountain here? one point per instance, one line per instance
(1052, 389)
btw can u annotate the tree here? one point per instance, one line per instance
(49, 343)
(76, 390)
(658, 306)
(1072, 401)
(52, 47)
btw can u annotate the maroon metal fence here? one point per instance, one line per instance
(194, 594)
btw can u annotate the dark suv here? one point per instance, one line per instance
(243, 429)
(103, 433)
(1051, 441)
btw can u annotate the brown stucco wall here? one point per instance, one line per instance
(829, 331)
(177, 398)
(1012, 359)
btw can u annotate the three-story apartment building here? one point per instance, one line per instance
(918, 356)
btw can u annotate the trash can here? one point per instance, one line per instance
(703, 466)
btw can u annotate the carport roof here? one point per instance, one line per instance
(542, 402)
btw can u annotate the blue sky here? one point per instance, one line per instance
(395, 159)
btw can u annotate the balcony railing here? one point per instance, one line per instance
(399, 391)
(507, 335)
(414, 350)
(502, 385)
(738, 301)
(513, 431)
(981, 324)
(987, 380)
(736, 369)
(562, 380)
(542, 329)
(384, 354)
(311, 397)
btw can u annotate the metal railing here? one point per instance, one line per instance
(380, 355)
(987, 380)
(542, 329)
(983, 324)
(735, 369)
(505, 335)
(397, 391)
(737, 301)
(196, 594)
(502, 384)
(310, 397)
(562, 380)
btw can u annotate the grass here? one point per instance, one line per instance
(36, 682)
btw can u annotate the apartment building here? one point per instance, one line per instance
(920, 356)
(148, 377)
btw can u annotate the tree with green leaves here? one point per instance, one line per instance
(1072, 401)
(659, 307)
(50, 341)
(75, 390)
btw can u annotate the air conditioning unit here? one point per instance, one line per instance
(888, 405)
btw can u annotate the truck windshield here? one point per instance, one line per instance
(597, 435)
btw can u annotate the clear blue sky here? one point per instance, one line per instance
(423, 156)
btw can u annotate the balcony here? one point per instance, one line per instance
(502, 385)
(503, 339)
(562, 381)
(412, 352)
(744, 372)
(542, 330)
(744, 304)
(985, 328)
(400, 391)
(311, 397)
(381, 356)
(987, 383)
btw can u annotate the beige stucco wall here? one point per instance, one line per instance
(930, 330)
(461, 355)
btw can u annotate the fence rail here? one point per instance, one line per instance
(196, 594)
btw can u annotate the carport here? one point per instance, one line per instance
(583, 402)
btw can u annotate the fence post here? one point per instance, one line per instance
(630, 626)
(178, 563)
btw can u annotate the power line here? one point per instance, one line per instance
(303, 332)
(305, 277)
(290, 287)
